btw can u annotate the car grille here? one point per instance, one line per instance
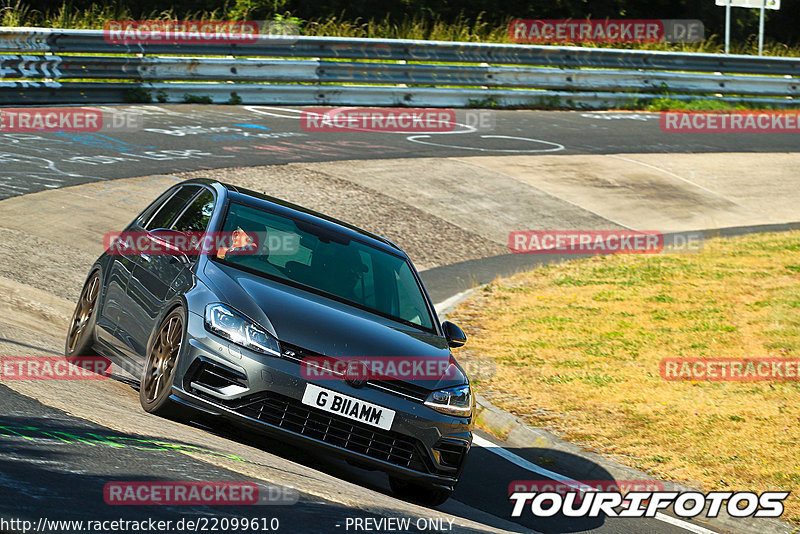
(400, 388)
(289, 414)
(395, 387)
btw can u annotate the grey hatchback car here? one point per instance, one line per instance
(267, 338)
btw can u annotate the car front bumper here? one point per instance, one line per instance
(265, 393)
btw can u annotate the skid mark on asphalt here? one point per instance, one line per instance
(546, 193)
(685, 180)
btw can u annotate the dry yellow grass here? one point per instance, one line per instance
(578, 346)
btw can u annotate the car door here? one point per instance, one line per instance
(158, 276)
(115, 302)
(114, 317)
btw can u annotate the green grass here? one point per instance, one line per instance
(671, 104)
(578, 347)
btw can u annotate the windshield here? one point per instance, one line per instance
(328, 263)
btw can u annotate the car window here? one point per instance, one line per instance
(195, 218)
(164, 215)
(410, 302)
(285, 247)
(326, 262)
(365, 290)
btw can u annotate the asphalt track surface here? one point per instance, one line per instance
(166, 139)
(54, 465)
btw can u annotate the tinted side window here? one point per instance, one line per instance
(171, 208)
(197, 215)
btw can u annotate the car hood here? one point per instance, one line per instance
(325, 326)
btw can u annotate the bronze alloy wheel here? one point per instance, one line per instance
(158, 371)
(76, 336)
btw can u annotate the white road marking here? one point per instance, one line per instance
(260, 110)
(683, 524)
(616, 115)
(530, 466)
(451, 301)
(557, 147)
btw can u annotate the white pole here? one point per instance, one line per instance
(728, 28)
(761, 29)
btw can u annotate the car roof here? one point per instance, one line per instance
(254, 198)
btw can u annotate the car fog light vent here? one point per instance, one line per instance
(451, 454)
(213, 376)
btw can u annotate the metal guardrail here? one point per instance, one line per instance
(343, 71)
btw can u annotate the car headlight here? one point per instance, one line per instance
(235, 327)
(452, 401)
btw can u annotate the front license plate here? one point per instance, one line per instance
(347, 406)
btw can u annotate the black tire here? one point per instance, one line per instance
(159, 368)
(80, 335)
(425, 494)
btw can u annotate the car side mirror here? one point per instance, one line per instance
(454, 335)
